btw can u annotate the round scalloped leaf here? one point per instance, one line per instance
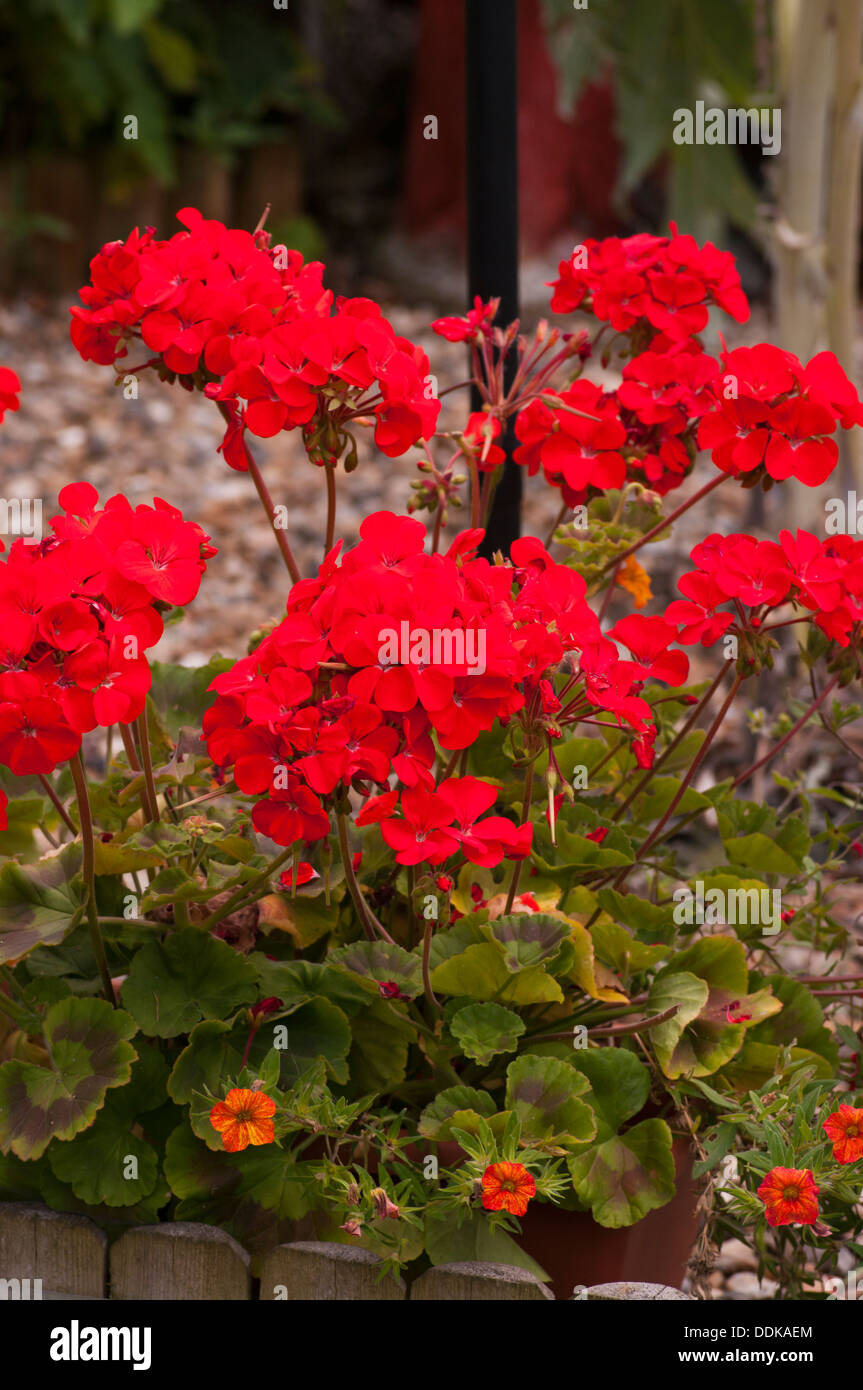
(529, 938)
(627, 1176)
(381, 961)
(89, 1049)
(97, 1164)
(172, 985)
(544, 1093)
(480, 972)
(619, 1083)
(484, 1030)
(434, 1122)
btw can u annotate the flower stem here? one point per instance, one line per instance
(693, 768)
(679, 736)
(771, 752)
(88, 869)
(266, 501)
(129, 746)
(331, 508)
(58, 805)
(151, 811)
(667, 521)
(525, 810)
(427, 985)
(369, 921)
(242, 895)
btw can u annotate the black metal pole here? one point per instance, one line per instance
(492, 207)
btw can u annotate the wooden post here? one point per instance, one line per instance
(471, 1281)
(325, 1272)
(64, 1252)
(179, 1260)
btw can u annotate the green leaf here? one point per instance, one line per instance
(484, 1030)
(474, 1239)
(299, 980)
(760, 852)
(318, 1029)
(801, 1020)
(88, 1043)
(379, 1054)
(627, 1176)
(619, 1083)
(436, 1119)
(480, 972)
(381, 961)
(690, 994)
(544, 1093)
(528, 938)
(171, 986)
(272, 1181)
(39, 903)
(96, 1164)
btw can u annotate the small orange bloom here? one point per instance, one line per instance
(243, 1118)
(844, 1129)
(507, 1187)
(790, 1197)
(635, 580)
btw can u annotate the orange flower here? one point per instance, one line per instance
(635, 580)
(789, 1195)
(243, 1118)
(844, 1129)
(507, 1187)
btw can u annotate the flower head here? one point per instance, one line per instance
(844, 1129)
(507, 1187)
(242, 1118)
(790, 1197)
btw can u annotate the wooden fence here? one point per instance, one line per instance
(54, 1255)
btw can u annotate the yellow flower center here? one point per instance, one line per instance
(852, 1131)
(791, 1194)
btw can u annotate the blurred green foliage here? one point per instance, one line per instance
(663, 55)
(216, 74)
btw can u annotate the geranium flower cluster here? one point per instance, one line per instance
(774, 416)
(327, 702)
(824, 576)
(77, 612)
(253, 326)
(760, 412)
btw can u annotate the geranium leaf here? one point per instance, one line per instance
(39, 903)
(528, 938)
(381, 961)
(171, 986)
(484, 1030)
(455, 1100)
(628, 1175)
(88, 1044)
(480, 972)
(544, 1093)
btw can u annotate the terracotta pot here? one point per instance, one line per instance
(575, 1250)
